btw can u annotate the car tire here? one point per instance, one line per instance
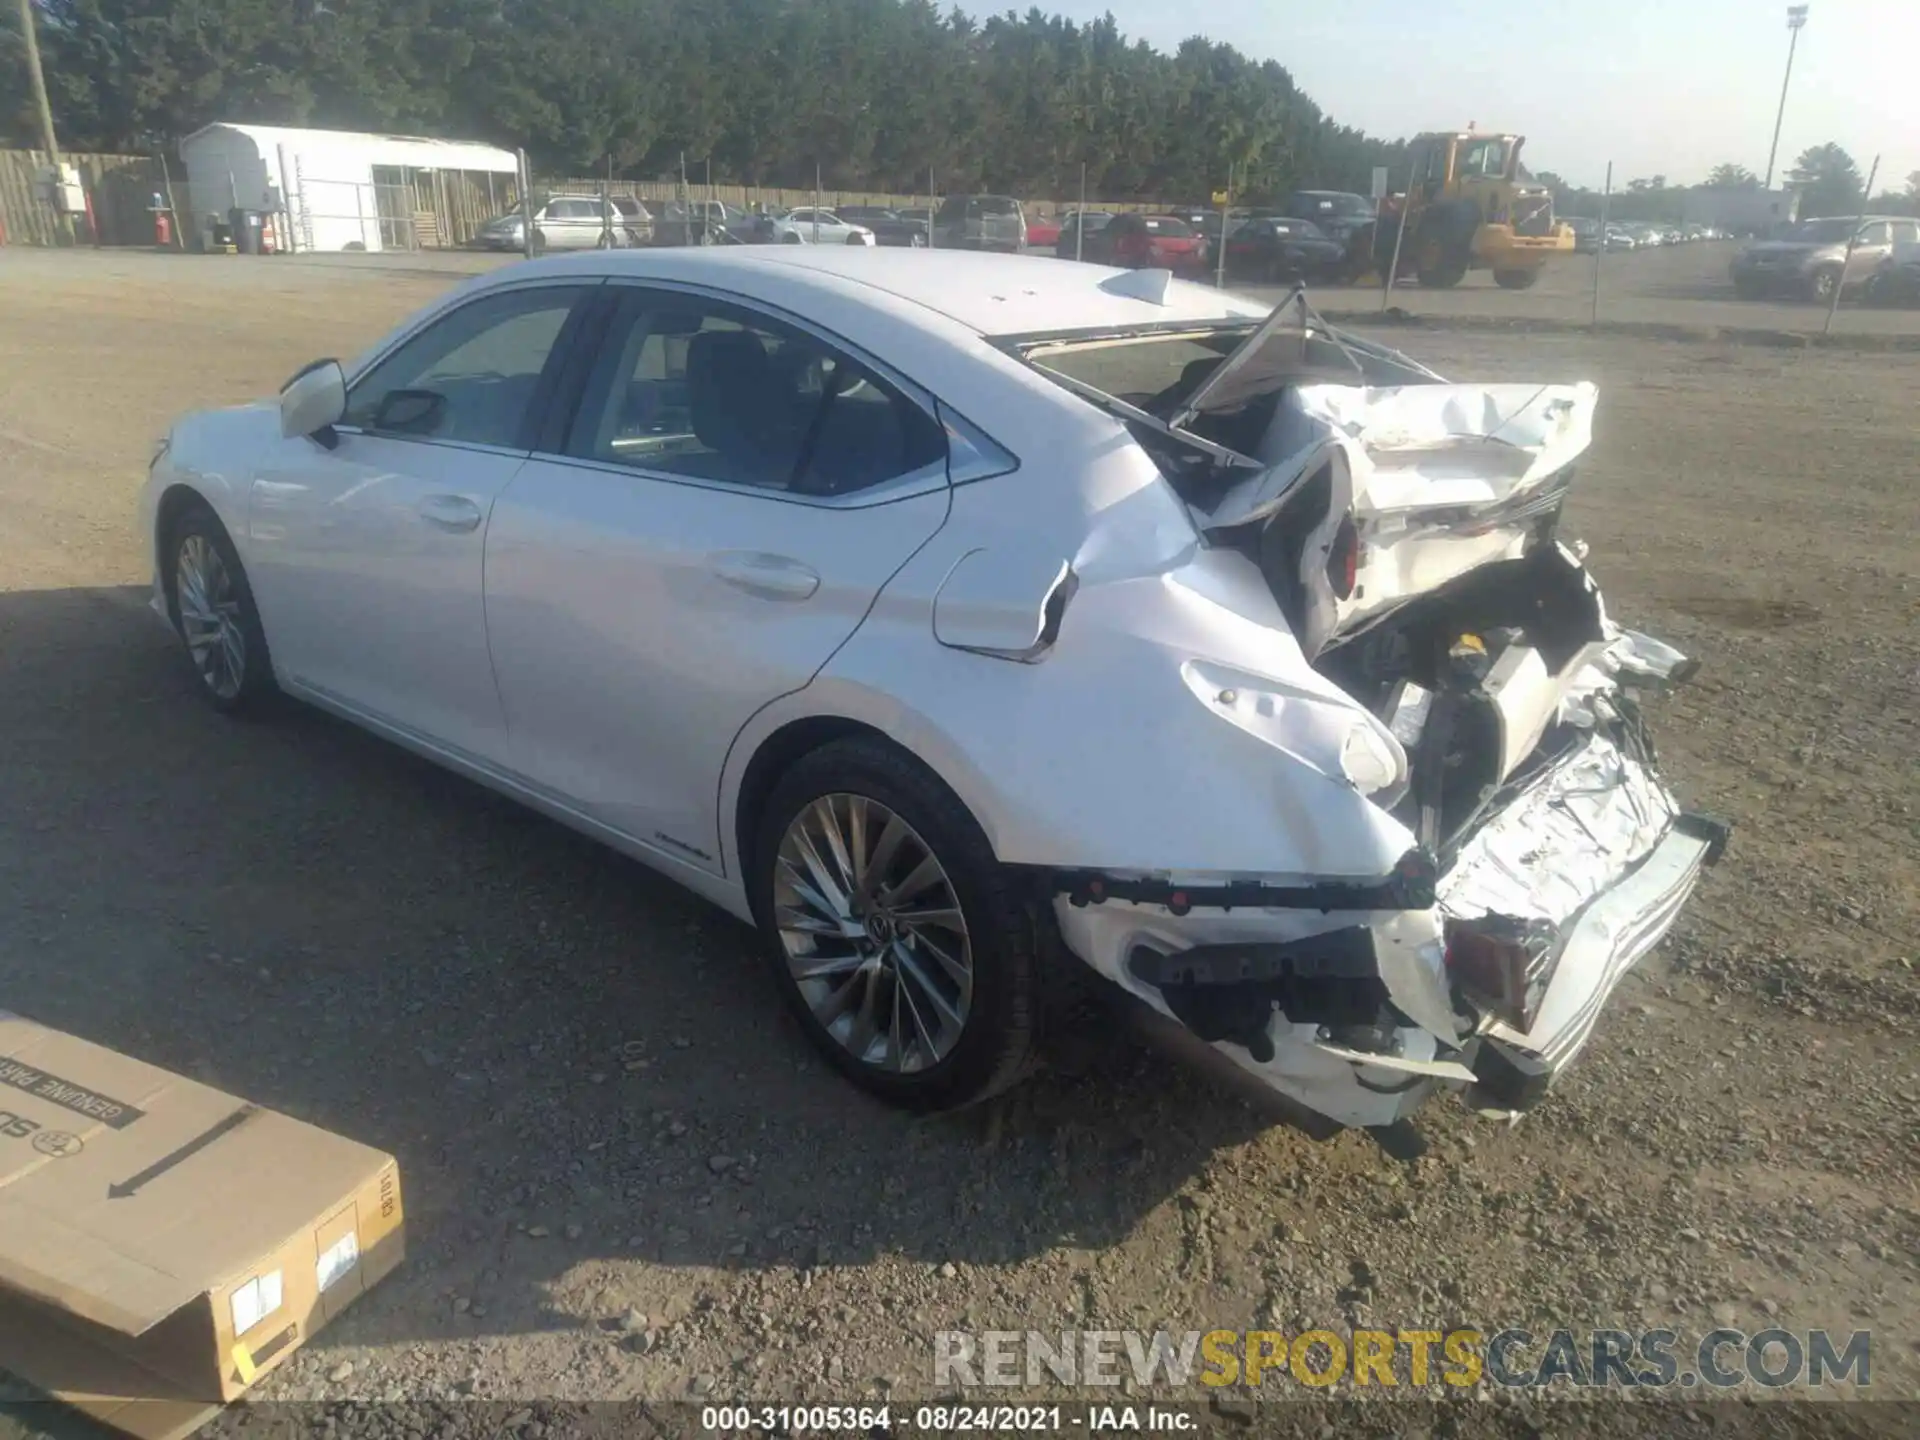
(1822, 283)
(919, 1031)
(212, 610)
(1515, 279)
(916, 242)
(539, 243)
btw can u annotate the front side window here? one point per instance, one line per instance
(711, 391)
(1878, 233)
(469, 377)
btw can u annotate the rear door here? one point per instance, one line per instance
(729, 498)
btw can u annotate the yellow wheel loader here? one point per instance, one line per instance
(1472, 206)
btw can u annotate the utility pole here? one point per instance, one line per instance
(1796, 19)
(44, 110)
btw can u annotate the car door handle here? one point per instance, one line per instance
(451, 512)
(771, 577)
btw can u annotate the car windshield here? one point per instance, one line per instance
(1820, 232)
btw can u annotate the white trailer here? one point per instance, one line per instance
(335, 189)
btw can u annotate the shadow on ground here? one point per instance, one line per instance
(575, 1061)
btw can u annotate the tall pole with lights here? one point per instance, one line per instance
(1796, 19)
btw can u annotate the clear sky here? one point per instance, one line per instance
(1669, 87)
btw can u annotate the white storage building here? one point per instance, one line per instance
(343, 189)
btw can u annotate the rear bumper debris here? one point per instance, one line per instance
(1346, 999)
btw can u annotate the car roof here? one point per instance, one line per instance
(992, 295)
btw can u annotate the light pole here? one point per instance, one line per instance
(1796, 18)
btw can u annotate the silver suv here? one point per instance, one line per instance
(980, 222)
(572, 222)
(1810, 259)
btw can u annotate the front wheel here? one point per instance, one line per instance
(1822, 283)
(1438, 267)
(1515, 279)
(916, 242)
(895, 936)
(211, 606)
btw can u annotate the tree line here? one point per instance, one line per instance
(877, 94)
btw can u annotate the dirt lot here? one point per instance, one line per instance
(628, 1176)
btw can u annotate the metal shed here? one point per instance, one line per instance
(348, 190)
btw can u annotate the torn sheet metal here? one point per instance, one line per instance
(1430, 481)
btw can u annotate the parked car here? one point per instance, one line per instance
(1811, 259)
(570, 222)
(1586, 234)
(811, 225)
(1070, 230)
(1897, 280)
(980, 222)
(889, 227)
(1277, 249)
(1621, 238)
(1043, 232)
(698, 222)
(625, 560)
(1343, 217)
(1159, 241)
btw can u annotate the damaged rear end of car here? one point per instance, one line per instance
(1409, 531)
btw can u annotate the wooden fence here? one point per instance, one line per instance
(439, 210)
(119, 189)
(746, 197)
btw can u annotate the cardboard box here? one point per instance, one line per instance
(163, 1245)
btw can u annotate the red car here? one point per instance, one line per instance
(1043, 234)
(1157, 241)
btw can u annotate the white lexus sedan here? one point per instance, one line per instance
(950, 616)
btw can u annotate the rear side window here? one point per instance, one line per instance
(702, 389)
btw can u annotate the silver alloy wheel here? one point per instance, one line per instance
(210, 616)
(873, 933)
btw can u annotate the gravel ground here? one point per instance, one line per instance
(626, 1174)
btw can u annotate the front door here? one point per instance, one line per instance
(366, 558)
(733, 495)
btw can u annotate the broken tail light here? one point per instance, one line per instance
(1502, 965)
(1343, 560)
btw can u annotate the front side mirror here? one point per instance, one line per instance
(312, 402)
(409, 412)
